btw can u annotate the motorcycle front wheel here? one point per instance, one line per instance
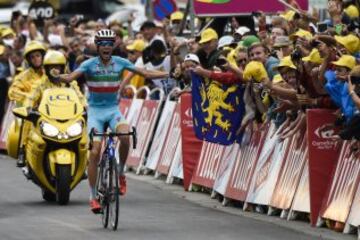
(48, 196)
(63, 181)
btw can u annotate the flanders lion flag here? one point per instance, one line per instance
(218, 110)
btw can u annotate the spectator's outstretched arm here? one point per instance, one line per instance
(286, 93)
(151, 74)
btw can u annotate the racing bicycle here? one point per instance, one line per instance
(107, 185)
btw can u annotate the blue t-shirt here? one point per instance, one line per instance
(339, 93)
(104, 81)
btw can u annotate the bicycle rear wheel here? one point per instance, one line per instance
(114, 194)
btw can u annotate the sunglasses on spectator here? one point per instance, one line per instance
(105, 43)
(240, 61)
(131, 52)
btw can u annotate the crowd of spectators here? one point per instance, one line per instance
(287, 63)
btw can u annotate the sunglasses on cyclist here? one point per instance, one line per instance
(105, 43)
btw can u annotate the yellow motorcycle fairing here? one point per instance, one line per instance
(12, 141)
(61, 157)
(60, 104)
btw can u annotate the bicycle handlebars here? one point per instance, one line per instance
(111, 134)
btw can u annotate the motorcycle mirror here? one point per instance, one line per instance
(26, 113)
(21, 112)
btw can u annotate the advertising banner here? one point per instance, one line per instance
(160, 135)
(144, 127)
(344, 184)
(323, 154)
(239, 7)
(354, 216)
(176, 168)
(301, 201)
(267, 169)
(245, 163)
(170, 144)
(208, 165)
(191, 145)
(290, 173)
(226, 166)
(124, 106)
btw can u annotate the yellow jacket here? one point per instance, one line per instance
(34, 97)
(23, 84)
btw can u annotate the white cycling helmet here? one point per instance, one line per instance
(105, 35)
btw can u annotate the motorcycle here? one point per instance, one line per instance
(55, 149)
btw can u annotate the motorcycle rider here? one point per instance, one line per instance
(103, 77)
(34, 53)
(52, 60)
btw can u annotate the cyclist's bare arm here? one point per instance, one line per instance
(150, 73)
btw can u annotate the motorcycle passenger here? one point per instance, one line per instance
(103, 77)
(34, 53)
(52, 60)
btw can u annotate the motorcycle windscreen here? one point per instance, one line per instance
(60, 104)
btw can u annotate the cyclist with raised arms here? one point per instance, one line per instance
(103, 78)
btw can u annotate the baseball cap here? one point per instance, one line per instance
(255, 70)
(346, 61)
(250, 40)
(352, 11)
(313, 57)
(208, 35)
(286, 62)
(7, 31)
(137, 45)
(282, 41)
(178, 15)
(350, 42)
(242, 30)
(301, 33)
(192, 57)
(225, 41)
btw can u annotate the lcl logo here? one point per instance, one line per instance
(60, 97)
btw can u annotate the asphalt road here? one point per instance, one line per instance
(147, 212)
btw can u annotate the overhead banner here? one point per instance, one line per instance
(239, 7)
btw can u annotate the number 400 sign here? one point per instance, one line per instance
(41, 10)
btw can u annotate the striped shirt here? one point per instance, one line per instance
(104, 81)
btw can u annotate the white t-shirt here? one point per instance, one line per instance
(167, 83)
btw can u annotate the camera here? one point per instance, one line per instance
(220, 62)
(296, 55)
(322, 27)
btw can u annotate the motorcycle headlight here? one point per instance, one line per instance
(75, 129)
(49, 130)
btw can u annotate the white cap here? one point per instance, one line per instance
(242, 30)
(192, 57)
(225, 41)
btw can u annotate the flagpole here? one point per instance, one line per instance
(192, 18)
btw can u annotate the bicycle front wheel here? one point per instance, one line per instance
(114, 194)
(102, 188)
